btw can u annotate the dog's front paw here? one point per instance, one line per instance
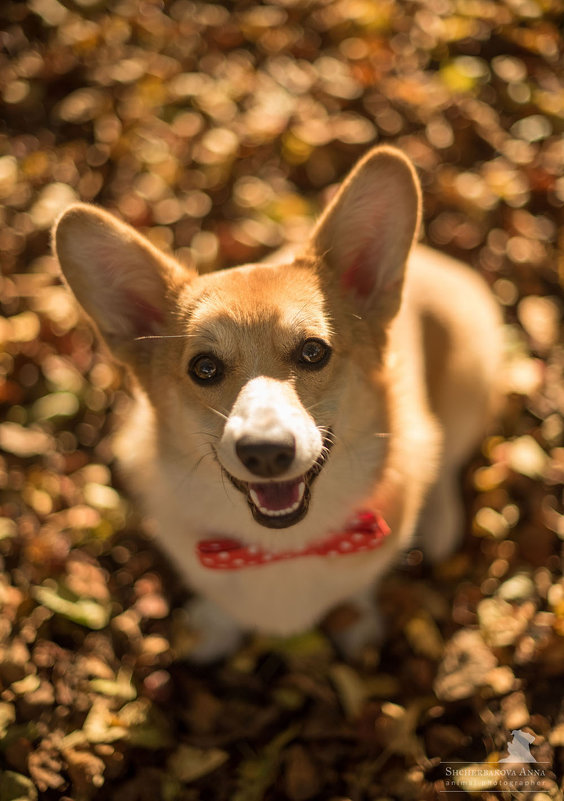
(217, 634)
(442, 523)
(356, 626)
(366, 631)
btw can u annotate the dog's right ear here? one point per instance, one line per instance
(122, 281)
(365, 235)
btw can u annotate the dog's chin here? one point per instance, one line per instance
(280, 504)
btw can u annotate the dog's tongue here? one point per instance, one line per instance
(278, 495)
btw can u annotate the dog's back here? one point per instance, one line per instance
(454, 322)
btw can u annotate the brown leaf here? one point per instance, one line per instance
(465, 666)
(302, 778)
(46, 766)
(86, 771)
(188, 763)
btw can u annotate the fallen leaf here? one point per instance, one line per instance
(24, 442)
(525, 456)
(424, 636)
(15, 787)
(257, 774)
(122, 687)
(350, 689)
(502, 623)
(302, 778)
(7, 717)
(188, 763)
(465, 665)
(84, 611)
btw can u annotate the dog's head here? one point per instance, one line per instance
(255, 362)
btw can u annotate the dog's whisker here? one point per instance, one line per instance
(203, 433)
(210, 451)
(225, 488)
(190, 473)
(216, 411)
(222, 473)
(182, 458)
(352, 453)
(162, 336)
(314, 405)
(223, 476)
(328, 434)
(356, 431)
(199, 462)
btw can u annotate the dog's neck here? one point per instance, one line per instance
(365, 532)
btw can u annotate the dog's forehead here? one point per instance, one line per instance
(272, 300)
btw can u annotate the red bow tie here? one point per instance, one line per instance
(365, 532)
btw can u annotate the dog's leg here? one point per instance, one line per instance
(367, 629)
(442, 522)
(218, 634)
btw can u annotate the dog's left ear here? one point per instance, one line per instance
(367, 231)
(122, 281)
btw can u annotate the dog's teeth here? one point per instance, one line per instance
(278, 512)
(255, 499)
(275, 512)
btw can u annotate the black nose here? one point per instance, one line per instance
(266, 459)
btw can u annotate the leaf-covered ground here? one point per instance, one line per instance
(215, 129)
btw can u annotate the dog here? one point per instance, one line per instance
(295, 422)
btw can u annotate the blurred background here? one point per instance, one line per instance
(218, 130)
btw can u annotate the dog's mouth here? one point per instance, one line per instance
(279, 504)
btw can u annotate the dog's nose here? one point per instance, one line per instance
(264, 458)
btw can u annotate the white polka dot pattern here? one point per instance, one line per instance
(365, 532)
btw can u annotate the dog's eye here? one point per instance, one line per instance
(314, 353)
(205, 369)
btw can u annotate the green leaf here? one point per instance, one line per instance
(121, 687)
(139, 723)
(56, 404)
(15, 787)
(26, 685)
(146, 726)
(350, 688)
(256, 775)
(7, 717)
(101, 726)
(84, 611)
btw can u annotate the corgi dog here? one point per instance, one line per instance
(295, 421)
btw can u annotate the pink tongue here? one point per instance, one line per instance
(278, 495)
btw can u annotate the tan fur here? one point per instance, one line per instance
(407, 391)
